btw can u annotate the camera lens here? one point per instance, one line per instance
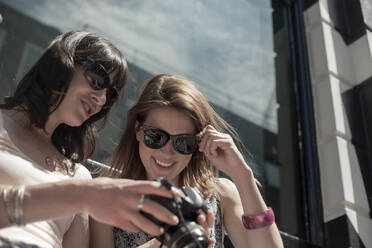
(188, 235)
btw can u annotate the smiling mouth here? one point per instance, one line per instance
(163, 164)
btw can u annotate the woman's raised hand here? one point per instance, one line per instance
(221, 150)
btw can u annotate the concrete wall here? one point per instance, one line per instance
(337, 66)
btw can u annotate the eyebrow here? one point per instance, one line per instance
(144, 125)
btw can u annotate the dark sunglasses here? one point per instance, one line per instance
(96, 75)
(98, 78)
(155, 138)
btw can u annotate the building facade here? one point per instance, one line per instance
(292, 77)
(338, 35)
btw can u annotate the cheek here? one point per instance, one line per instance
(144, 153)
(185, 160)
(139, 136)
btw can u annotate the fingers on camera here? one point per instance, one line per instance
(211, 242)
(129, 227)
(160, 212)
(148, 226)
(153, 188)
(210, 218)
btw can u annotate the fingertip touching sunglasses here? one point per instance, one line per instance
(156, 138)
(98, 78)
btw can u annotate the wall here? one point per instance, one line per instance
(340, 60)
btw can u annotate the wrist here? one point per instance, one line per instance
(83, 196)
(52, 200)
(260, 220)
(91, 191)
(243, 175)
(250, 195)
(73, 193)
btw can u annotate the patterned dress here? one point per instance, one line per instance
(125, 239)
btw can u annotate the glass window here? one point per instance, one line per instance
(30, 55)
(2, 37)
(229, 48)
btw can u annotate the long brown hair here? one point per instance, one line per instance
(42, 89)
(169, 91)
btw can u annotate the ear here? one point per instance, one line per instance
(138, 131)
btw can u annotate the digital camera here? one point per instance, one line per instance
(187, 233)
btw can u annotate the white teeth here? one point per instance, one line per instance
(163, 164)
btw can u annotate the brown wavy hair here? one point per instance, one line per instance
(42, 89)
(170, 91)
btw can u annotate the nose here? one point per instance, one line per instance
(168, 147)
(99, 97)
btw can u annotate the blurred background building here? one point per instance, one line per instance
(293, 77)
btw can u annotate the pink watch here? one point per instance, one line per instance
(259, 220)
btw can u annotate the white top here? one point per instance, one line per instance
(19, 170)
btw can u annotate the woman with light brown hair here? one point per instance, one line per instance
(173, 132)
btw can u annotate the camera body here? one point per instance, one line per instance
(188, 233)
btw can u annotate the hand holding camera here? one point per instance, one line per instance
(188, 233)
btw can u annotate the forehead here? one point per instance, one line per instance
(171, 120)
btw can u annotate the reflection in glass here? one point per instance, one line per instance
(226, 47)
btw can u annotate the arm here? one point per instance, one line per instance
(46, 201)
(102, 236)
(240, 198)
(111, 201)
(234, 208)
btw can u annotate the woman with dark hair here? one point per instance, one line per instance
(47, 128)
(173, 132)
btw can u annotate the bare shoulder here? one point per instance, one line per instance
(227, 188)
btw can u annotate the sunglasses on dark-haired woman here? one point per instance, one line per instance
(98, 78)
